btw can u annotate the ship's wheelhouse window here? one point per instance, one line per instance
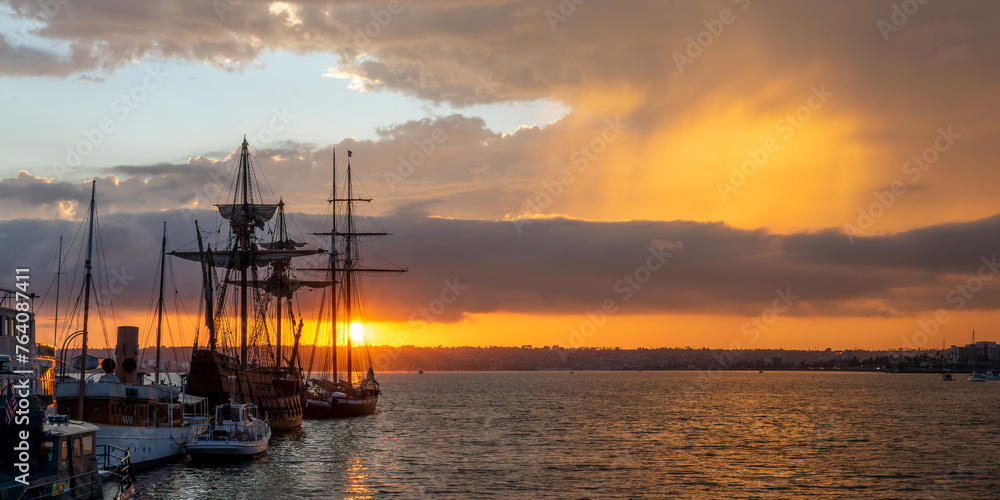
(97, 408)
(63, 450)
(47, 451)
(88, 444)
(77, 447)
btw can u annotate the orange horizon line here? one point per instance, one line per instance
(529, 346)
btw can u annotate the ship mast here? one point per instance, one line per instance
(159, 305)
(348, 267)
(279, 272)
(87, 280)
(59, 273)
(246, 217)
(244, 250)
(333, 271)
(206, 278)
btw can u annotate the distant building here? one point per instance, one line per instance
(985, 351)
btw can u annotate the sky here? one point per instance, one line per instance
(724, 174)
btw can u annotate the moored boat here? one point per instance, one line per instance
(245, 309)
(61, 459)
(150, 421)
(348, 387)
(235, 431)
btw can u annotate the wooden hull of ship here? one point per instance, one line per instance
(327, 408)
(277, 392)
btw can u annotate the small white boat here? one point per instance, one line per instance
(234, 431)
(991, 375)
(977, 377)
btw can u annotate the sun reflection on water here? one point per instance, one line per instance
(357, 476)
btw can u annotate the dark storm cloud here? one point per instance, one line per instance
(945, 248)
(561, 266)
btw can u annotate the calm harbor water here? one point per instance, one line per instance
(630, 435)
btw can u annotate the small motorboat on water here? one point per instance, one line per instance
(945, 377)
(234, 431)
(991, 375)
(977, 377)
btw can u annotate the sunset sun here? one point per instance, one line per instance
(357, 332)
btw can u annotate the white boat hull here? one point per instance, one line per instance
(145, 444)
(221, 448)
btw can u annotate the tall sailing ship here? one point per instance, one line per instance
(248, 290)
(348, 387)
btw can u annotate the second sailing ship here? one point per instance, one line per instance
(347, 387)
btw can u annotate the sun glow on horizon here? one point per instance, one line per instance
(357, 332)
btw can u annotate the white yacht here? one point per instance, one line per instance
(234, 431)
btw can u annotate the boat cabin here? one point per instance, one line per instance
(64, 463)
(109, 402)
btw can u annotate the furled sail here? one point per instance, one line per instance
(283, 286)
(236, 260)
(282, 245)
(258, 214)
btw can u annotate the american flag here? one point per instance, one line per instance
(11, 406)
